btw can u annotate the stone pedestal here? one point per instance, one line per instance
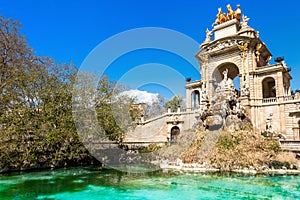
(226, 29)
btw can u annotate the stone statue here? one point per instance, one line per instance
(218, 88)
(208, 35)
(245, 89)
(204, 97)
(204, 103)
(234, 110)
(269, 122)
(257, 34)
(244, 23)
(226, 83)
(239, 109)
(221, 17)
(230, 14)
(297, 95)
(268, 59)
(238, 12)
(257, 52)
(225, 72)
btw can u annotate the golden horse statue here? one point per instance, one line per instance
(222, 17)
(231, 13)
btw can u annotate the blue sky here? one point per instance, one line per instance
(69, 30)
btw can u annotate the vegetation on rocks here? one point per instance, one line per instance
(173, 151)
(238, 150)
(227, 151)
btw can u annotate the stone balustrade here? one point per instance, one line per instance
(170, 115)
(269, 100)
(290, 145)
(281, 99)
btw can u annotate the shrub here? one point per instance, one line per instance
(278, 165)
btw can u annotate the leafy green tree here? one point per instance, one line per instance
(37, 100)
(36, 125)
(113, 109)
(175, 102)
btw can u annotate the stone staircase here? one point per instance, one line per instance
(149, 132)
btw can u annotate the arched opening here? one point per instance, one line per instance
(175, 131)
(269, 87)
(233, 74)
(195, 99)
(236, 83)
(233, 71)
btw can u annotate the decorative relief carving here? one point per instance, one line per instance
(204, 60)
(244, 23)
(245, 89)
(243, 48)
(221, 45)
(257, 52)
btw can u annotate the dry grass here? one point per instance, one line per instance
(287, 157)
(240, 149)
(173, 152)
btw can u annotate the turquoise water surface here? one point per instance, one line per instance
(91, 183)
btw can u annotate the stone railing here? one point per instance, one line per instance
(183, 110)
(170, 114)
(142, 122)
(290, 145)
(289, 98)
(269, 100)
(281, 99)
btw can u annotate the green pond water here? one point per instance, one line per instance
(92, 183)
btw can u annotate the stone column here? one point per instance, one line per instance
(188, 99)
(210, 89)
(279, 85)
(283, 118)
(169, 110)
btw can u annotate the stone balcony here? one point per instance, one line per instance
(272, 100)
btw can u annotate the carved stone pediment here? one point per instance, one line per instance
(223, 45)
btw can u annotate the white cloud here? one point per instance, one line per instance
(142, 96)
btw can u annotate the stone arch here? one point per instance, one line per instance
(175, 131)
(195, 98)
(233, 71)
(269, 87)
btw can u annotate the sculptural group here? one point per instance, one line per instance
(231, 14)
